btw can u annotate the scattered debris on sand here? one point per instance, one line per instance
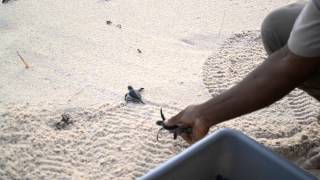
(27, 66)
(108, 22)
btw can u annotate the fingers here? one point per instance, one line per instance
(183, 118)
(188, 118)
(197, 133)
(192, 138)
(187, 137)
(173, 120)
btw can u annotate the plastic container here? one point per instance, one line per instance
(227, 155)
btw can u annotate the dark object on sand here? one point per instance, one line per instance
(26, 65)
(134, 95)
(65, 121)
(108, 22)
(139, 51)
(176, 130)
(5, 1)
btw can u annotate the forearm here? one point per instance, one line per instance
(266, 84)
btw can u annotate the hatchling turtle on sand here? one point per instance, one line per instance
(64, 121)
(176, 130)
(134, 95)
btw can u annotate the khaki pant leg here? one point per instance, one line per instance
(275, 32)
(277, 26)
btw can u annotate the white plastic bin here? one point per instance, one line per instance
(227, 155)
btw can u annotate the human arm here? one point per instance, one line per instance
(269, 82)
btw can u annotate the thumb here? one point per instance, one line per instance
(199, 132)
(172, 121)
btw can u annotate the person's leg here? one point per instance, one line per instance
(312, 86)
(277, 26)
(275, 32)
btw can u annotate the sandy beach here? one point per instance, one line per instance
(83, 55)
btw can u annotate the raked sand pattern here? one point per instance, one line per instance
(109, 142)
(119, 141)
(79, 61)
(296, 113)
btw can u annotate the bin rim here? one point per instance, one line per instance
(231, 133)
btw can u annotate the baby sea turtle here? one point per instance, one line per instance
(176, 130)
(65, 120)
(134, 95)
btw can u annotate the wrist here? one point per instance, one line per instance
(206, 115)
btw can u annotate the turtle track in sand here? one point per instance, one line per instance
(109, 142)
(279, 126)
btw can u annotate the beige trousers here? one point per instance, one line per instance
(275, 32)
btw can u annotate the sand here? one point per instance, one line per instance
(79, 64)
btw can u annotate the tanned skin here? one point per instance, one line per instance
(270, 81)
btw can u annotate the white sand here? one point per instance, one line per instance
(82, 66)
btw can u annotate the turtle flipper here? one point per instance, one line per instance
(141, 89)
(128, 98)
(158, 133)
(175, 135)
(162, 116)
(125, 97)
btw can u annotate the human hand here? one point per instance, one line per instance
(190, 117)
